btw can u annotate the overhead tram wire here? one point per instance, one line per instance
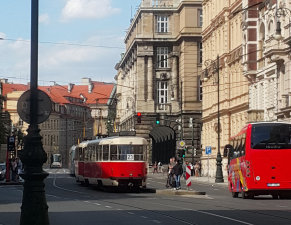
(63, 43)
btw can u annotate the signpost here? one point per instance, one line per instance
(208, 152)
(188, 177)
(44, 107)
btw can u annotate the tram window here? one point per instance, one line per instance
(113, 153)
(105, 152)
(99, 151)
(138, 153)
(93, 153)
(80, 154)
(86, 153)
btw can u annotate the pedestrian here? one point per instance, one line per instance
(184, 169)
(199, 169)
(192, 168)
(177, 172)
(196, 168)
(160, 167)
(13, 167)
(17, 169)
(155, 167)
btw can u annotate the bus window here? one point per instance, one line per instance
(271, 136)
(105, 152)
(99, 152)
(113, 153)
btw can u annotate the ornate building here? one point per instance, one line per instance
(222, 36)
(158, 75)
(269, 70)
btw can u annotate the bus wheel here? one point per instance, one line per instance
(243, 195)
(275, 196)
(234, 194)
(251, 195)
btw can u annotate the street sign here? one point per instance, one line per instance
(208, 150)
(182, 143)
(44, 107)
(10, 143)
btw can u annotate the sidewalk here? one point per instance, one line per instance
(211, 180)
(2, 183)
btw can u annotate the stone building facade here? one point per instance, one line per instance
(158, 75)
(222, 36)
(268, 68)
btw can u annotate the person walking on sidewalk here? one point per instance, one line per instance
(178, 172)
(196, 168)
(155, 167)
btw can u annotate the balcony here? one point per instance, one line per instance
(255, 115)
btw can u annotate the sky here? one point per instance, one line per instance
(77, 38)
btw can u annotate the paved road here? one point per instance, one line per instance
(71, 203)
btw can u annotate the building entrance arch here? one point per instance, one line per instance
(163, 144)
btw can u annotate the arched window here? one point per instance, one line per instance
(270, 28)
(261, 40)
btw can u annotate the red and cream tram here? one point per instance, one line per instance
(113, 161)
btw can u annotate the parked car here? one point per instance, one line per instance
(2, 171)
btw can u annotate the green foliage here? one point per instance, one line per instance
(3, 132)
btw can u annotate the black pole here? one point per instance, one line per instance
(181, 133)
(219, 175)
(34, 209)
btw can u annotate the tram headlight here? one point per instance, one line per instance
(258, 178)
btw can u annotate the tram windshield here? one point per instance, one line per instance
(57, 157)
(271, 136)
(127, 152)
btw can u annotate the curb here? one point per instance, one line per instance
(173, 192)
(11, 183)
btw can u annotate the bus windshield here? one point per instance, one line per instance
(271, 136)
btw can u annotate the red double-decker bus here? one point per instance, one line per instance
(259, 160)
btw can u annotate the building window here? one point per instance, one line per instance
(162, 92)
(162, 24)
(200, 53)
(200, 19)
(162, 57)
(200, 90)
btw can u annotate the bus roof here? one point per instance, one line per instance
(126, 140)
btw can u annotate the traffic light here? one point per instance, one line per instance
(183, 153)
(139, 117)
(157, 118)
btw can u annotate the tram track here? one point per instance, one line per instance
(155, 212)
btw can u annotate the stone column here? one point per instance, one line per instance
(150, 78)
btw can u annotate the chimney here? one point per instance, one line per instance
(4, 81)
(70, 87)
(90, 88)
(85, 81)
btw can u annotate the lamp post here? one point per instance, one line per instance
(219, 174)
(281, 11)
(34, 209)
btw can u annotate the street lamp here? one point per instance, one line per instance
(34, 209)
(281, 11)
(219, 174)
